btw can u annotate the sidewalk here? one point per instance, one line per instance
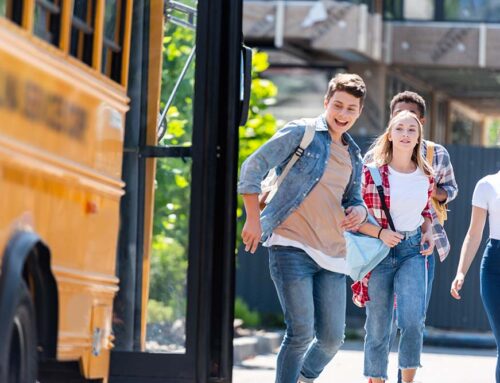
(440, 365)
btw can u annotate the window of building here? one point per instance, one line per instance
(419, 10)
(472, 10)
(462, 128)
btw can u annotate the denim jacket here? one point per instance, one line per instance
(303, 176)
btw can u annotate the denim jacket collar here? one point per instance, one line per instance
(321, 126)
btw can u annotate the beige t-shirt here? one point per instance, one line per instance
(316, 222)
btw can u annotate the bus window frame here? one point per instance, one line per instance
(22, 13)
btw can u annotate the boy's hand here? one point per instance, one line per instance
(354, 216)
(251, 234)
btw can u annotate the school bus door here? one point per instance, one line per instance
(205, 354)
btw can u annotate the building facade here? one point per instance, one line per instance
(446, 50)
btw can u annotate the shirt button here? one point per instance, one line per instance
(317, 179)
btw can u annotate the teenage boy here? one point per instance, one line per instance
(303, 226)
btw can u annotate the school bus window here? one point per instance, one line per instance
(12, 10)
(3, 8)
(113, 36)
(48, 20)
(82, 30)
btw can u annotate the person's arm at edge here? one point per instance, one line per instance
(470, 246)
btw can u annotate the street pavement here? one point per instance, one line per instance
(440, 365)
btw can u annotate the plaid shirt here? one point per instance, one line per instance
(445, 179)
(372, 200)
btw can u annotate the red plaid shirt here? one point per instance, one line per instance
(374, 205)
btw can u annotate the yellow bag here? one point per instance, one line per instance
(439, 208)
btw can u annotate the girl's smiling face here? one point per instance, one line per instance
(405, 133)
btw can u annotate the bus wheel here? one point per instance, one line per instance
(22, 364)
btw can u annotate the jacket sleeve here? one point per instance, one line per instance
(271, 154)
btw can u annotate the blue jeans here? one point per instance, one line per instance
(431, 267)
(404, 273)
(314, 305)
(490, 286)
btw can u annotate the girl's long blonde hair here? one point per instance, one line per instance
(381, 149)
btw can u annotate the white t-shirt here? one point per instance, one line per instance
(409, 196)
(337, 265)
(487, 196)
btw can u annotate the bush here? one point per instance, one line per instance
(251, 319)
(158, 312)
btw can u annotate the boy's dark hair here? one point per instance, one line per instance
(348, 82)
(410, 98)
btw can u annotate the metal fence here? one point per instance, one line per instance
(470, 164)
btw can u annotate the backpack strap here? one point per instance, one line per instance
(377, 179)
(306, 140)
(430, 152)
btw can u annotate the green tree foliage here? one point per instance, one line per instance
(261, 125)
(173, 177)
(493, 129)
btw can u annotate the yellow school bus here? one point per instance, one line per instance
(79, 105)
(63, 101)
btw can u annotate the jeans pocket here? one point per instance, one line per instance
(414, 241)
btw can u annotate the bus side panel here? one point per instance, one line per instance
(61, 145)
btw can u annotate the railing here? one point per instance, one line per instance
(371, 4)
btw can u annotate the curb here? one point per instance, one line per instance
(248, 347)
(444, 338)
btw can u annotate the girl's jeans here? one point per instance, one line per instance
(314, 304)
(404, 273)
(490, 290)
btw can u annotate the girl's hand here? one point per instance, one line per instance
(251, 234)
(456, 285)
(427, 243)
(390, 238)
(354, 216)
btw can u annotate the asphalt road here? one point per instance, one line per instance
(440, 365)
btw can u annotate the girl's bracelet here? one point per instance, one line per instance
(379, 232)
